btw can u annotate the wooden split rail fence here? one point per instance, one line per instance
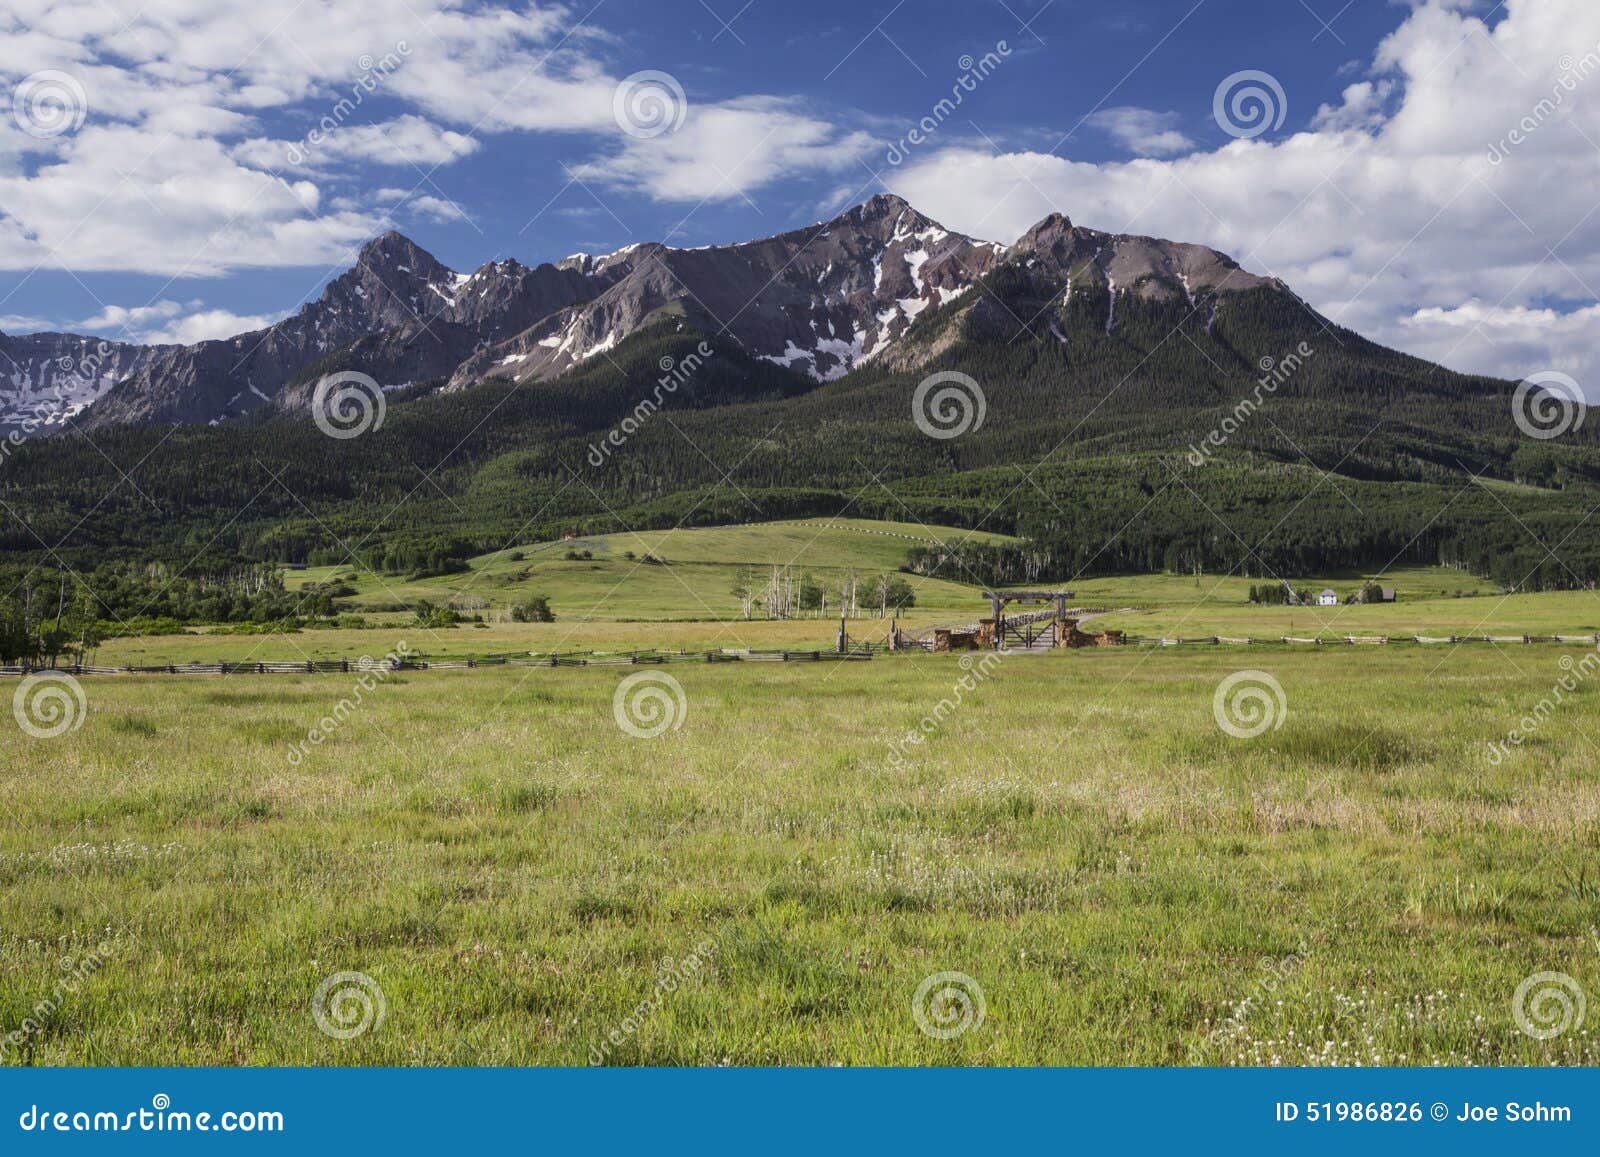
(1363, 640)
(362, 666)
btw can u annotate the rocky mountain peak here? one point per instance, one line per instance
(395, 252)
(822, 301)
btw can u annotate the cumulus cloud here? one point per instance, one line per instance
(1142, 131)
(404, 140)
(168, 169)
(723, 151)
(1390, 212)
(209, 324)
(167, 322)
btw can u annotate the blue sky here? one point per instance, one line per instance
(172, 191)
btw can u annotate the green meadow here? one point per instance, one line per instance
(521, 874)
(1123, 881)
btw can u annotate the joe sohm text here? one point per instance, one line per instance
(1401, 1112)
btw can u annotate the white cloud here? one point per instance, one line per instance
(405, 140)
(1389, 206)
(131, 318)
(171, 172)
(1507, 342)
(208, 325)
(1144, 132)
(726, 150)
(167, 322)
(434, 209)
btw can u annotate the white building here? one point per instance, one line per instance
(1327, 599)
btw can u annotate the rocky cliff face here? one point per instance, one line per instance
(820, 301)
(48, 379)
(417, 319)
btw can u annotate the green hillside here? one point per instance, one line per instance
(667, 575)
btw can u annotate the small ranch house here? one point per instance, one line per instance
(1327, 599)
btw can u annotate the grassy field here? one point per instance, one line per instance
(702, 568)
(772, 880)
(611, 603)
(1123, 880)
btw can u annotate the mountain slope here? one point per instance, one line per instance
(47, 379)
(821, 300)
(428, 317)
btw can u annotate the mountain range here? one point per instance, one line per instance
(1142, 404)
(820, 301)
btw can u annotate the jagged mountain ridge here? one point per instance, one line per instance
(48, 379)
(820, 301)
